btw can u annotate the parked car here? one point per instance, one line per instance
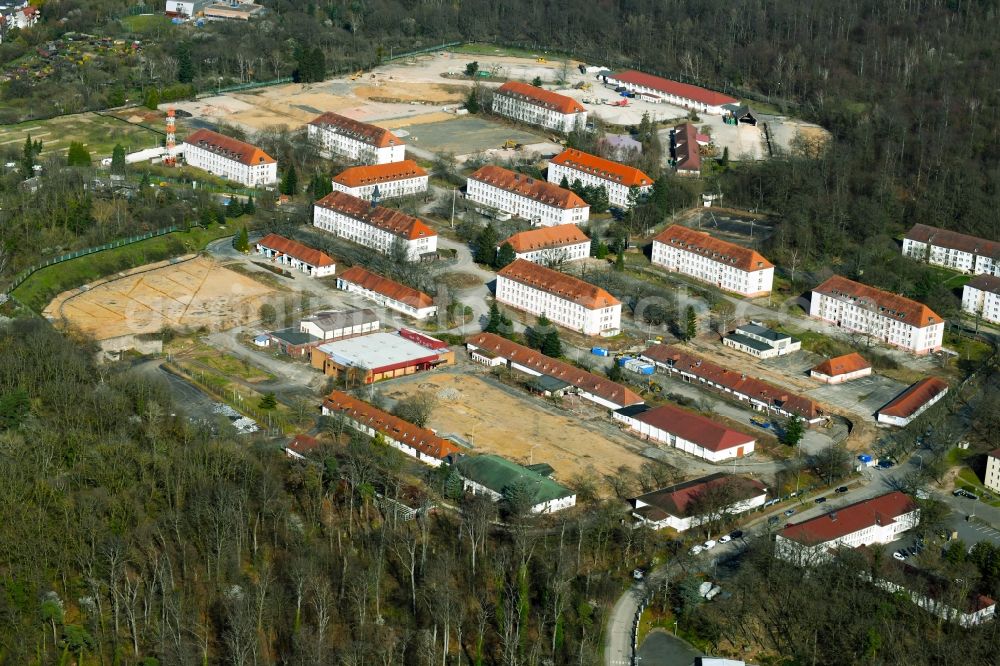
(820, 500)
(899, 555)
(696, 550)
(725, 538)
(736, 534)
(773, 520)
(841, 489)
(789, 512)
(885, 463)
(637, 574)
(709, 545)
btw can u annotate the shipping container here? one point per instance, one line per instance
(598, 351)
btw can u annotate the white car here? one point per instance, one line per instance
(899, 555)
(708, 545)
(725, 538)
(696, 550)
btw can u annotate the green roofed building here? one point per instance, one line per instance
(498, 477)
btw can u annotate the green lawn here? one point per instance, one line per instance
(98, 133)
(146, 23)
(46, 283)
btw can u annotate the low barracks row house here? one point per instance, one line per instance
(951, 249)
(541, 203)
(229, 158)
(550, 246)
(728, 266)
(593, 171)
(536, 106)
(564, 299)
(376, 227)
(335, 134)
(387, 293)
(672, 92)
(396, 179)
(891, 318)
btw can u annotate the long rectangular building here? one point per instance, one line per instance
(953, 250)
(550, 246)
(416, 442)
(981, 298)
(593, 171)
(687, 431)
(493, 476)
(564, 299)
(913, 402)
(375, 227)
(673, 92)
(877, 314)
(395, 179)
(537, 106)
(761, 395)
(541, 203)
(377, 356)
(683, 505)
(492, 350)
(728, 266)
(296, 255)
(387, 293)
(334, 134)
(229, 158)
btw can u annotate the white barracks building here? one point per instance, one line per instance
(881, 315)
(953, 250)
(229, 158)
(375, 227)
(395, 179)
(981, 298)
(617, 179)
(541, 203)
(335, 134)
(536, 106)
(550, 246)
(564, 299)
(726, 265)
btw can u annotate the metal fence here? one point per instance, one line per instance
(27, 272)
(249, 86)
(429, 49)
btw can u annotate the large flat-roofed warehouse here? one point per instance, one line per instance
(378, 356)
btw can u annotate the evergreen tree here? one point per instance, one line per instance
(564, 183)
(234, 208)
(495, 320)
(505, 255)
(78, 155)
(691, 323)
(597, 197)
(537, 82)
(319, 186)
(219, 213)
(551, 344)
(29, 152)
(268, 401)
(153, 99)
(725, 157)
(290, 182)
(620, 260)
(249, 208)
(206, 216)
(661, 195)
(242, 242)
(185, 66)
(472, 101)
(486, 246)
(116, 97)
(118, 159)
(793, 431)
(318, 69)
(615, 373)
(472, 69)
(601, 250)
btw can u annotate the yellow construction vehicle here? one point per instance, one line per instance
(541, 61)
(510, 144)
(356, 75)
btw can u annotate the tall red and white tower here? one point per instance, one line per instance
(171, 136)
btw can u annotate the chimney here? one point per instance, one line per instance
(833, 516)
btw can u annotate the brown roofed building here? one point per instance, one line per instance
(376, 227)
(877, 314)
(395, 179)
(387, 293)
(414, 441)
(913, 402)
(673, 92)
(692, 503)
(564, 299)
(229, 158)
(537, 106)
(296, 255)
(687, 431)
(841, 369)
(492, 350)
(335, 134)
(726, 265)
(592, 171)
(760, 394)
(981, 298)
(685, 149)
(541, 203)
(550, 246)
(953, 250)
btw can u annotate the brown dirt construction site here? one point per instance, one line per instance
(496, 419)
(189, 294)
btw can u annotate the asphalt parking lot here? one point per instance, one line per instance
(870, 393)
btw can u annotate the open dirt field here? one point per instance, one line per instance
(517, 427)
(467, 135)
(188, 294)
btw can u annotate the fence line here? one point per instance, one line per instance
(416, 52)
(27, 272)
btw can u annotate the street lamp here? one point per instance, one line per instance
(675, 628)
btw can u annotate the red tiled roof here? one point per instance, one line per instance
(228, 147)
(684, 90)
(375, 174)
(296, 250)
(386, 219)
(677, 500)
(421, 439)
(715, 249)
(936, 236)
(540, 97)
(562, 285)
(915, 397)
(695, 428)
(530, 358)
(602, 168)
(995, 453)
(365, 132)
(390, 288)
(881, 510)
(888, 304)
(842, 365)
(533, 188)
(547, 237)
(984, 282)
(686, 147)
(303, 444)
(734, 381)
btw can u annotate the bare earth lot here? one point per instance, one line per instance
(466, 135)
(520, 427)
(188, 294)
